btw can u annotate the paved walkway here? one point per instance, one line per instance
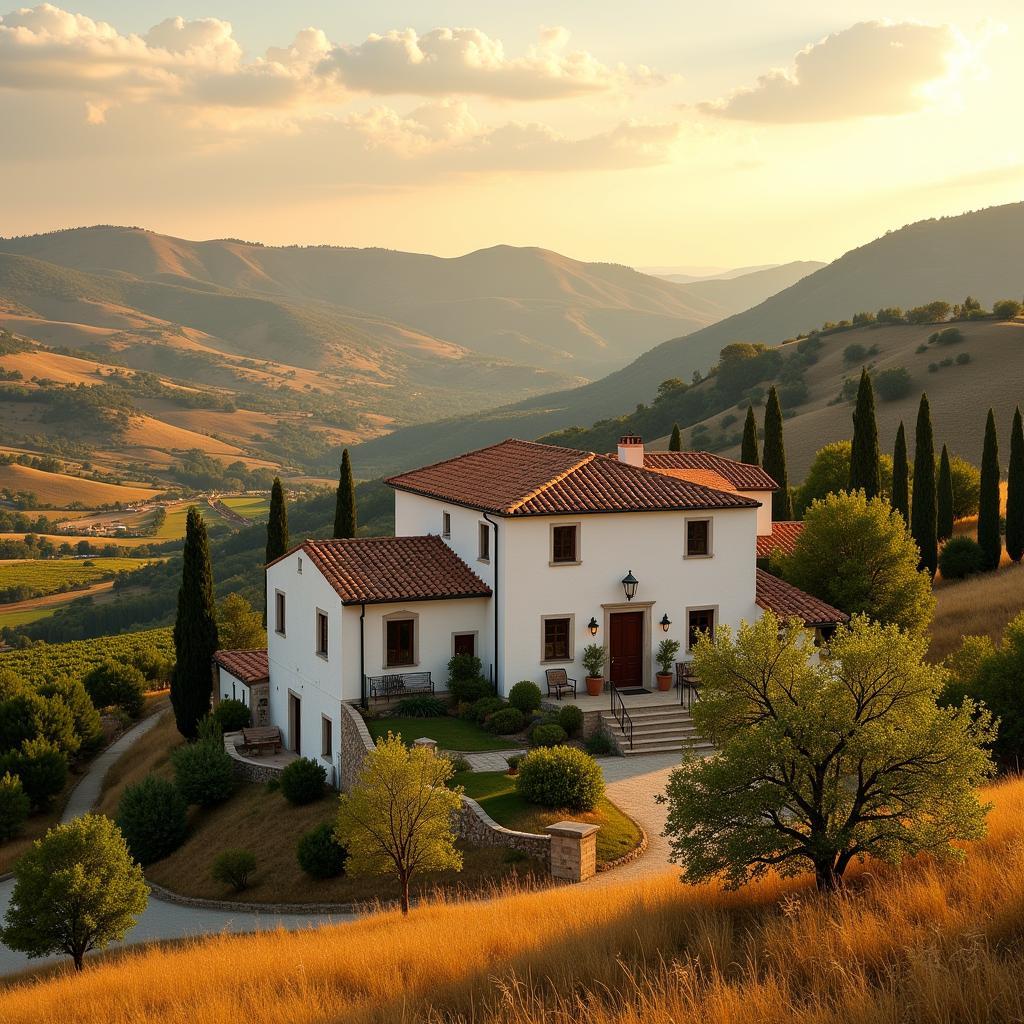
(491, 760)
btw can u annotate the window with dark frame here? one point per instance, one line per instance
(279, 612)
(446, 524)
(326, 737)
(701, 620)
(564, 548)
(321, 634)
(556, 639)
(485, 543)
(400, 642)
(698, 537)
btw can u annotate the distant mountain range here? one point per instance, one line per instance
(979, 253)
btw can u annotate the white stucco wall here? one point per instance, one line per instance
(230, 687)
(764, 513)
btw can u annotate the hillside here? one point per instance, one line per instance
(978, 253)
(528, 305)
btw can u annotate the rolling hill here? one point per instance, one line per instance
(979, 253)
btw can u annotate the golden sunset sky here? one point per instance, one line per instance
(653, 133)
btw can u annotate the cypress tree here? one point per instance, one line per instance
(749, 453)
(1015, 491)
(901, 475)
(675, 442)
(944, 497)
(988, 500)
(195, 631)
(345, 504)
(775, 458)
(865, 468)
(277, 523)
(923, 512)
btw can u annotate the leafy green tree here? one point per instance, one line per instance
(989, 534)
(14, 806)
(203, 772)
(239, 626)
(151, 816)
(858, 555)
(823, 763)
(1006, 309)
(748, 452)
(116, 684)
(72, 693)
(865, 470)
(195, 630)
(42, 767)
(75, 890)
(944, 498)
(397, 818)
(675, 442)
(775, 458)
(923, 511)
(345, 502)
(277, 523)
(1015, 491)
(901, 475)
(966, 487)
(829, 473)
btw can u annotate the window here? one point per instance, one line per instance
(485, 543)
(699, 620)
(464, 643)
(321, 633)
(300, 565)
(446, 524)
(558, 639)
(326, 737)
(400, 642)
(698, 538)
(564, 544)
(279, 612)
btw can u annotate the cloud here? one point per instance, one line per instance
(872, 69)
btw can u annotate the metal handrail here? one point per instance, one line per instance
(621, 715)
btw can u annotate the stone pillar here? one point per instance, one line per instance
(425, 743)
(573, 850)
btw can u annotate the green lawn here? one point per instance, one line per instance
(496, 794)
(450, 733)
(250, 506)
(23, 618)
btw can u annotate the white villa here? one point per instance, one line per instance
(521, 554)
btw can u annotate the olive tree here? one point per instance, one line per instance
(823, 762)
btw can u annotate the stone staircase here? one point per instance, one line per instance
(659, 729)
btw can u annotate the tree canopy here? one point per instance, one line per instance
(923, 509)
(775, 458)
(900, 491)
(749, 452)
(865, 469)
(239, 625)
(829, 473)
(989, 534)
(1015, 491)
(345, 500)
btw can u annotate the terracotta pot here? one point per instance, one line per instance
(664, 681)
(595, 685)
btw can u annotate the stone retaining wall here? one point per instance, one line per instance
(356, 743)
(245, 768)
(475, 825)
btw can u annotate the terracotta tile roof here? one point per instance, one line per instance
(741, 476)
(788, 601)
(248, 666)
(378, 570)
(782, 538)
(523, 478)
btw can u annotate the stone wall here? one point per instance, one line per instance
(245, 768)
(476, 826)
(591, 719)
(356, 743)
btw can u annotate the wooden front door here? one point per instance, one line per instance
(626, 649)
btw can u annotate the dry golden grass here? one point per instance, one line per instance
(925, 943)
(59, 489)
(981, 604)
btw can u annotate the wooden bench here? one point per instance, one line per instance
(558, 680)
(255, 741)
(400, 684)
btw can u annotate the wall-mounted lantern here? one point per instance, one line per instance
(665, 622)
(592, 626)
(629, 585)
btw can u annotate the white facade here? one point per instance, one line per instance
(230, 687)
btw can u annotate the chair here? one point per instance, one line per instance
(686, 679)
(559, 681)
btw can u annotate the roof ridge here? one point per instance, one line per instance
(557, 478)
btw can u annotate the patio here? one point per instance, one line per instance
(603, 702)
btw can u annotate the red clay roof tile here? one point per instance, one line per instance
(741, 476)
(783, 538)
(788, 601)
(248, 666)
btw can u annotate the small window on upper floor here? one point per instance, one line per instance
(321, 634)
(446, 524)
(485, 543)
(279, 609)
(300, 565)
(565, 548)
(698, 538)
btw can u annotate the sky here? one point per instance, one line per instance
(653, 133)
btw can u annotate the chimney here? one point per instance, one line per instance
(631, 450)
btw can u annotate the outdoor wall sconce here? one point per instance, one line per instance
(592, 626)
(665, 622)
(629, 585)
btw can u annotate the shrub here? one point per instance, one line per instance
(960, 557)
(514, 761)
(14, 805)
(525, 696)
(483, 708)
(302, 781)
(70, 692)
(560, 777)
(854, 353)
(471, 690)
(949, 336)
(320, 854)
(154, 666)
(600, 744)
(464, 710)
(1006, 309)
(233, 867)
(151, 815)
(548, 734)
(458, 763)
(42, 768)
(570, 718)
(203, 772)
(464, 666)
(506, 721)
(893, 384)
(113, 684)
(963, 358)
(420, 707)
(921, 348)
(232, 715)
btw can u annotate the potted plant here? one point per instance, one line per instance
(594, 657)
(665, 657)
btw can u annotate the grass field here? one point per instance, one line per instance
(450, 733)
(173, 525)
(59, 489)
(249, 506)
(23, 616)
(51, 575)
(99, 542)
(925, 943)
(496, 794)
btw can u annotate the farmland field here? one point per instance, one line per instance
(60, 489)
(250, 506)
(52, 575)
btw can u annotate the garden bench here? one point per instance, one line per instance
(255, 741)
(558, 681)
(400, 684)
